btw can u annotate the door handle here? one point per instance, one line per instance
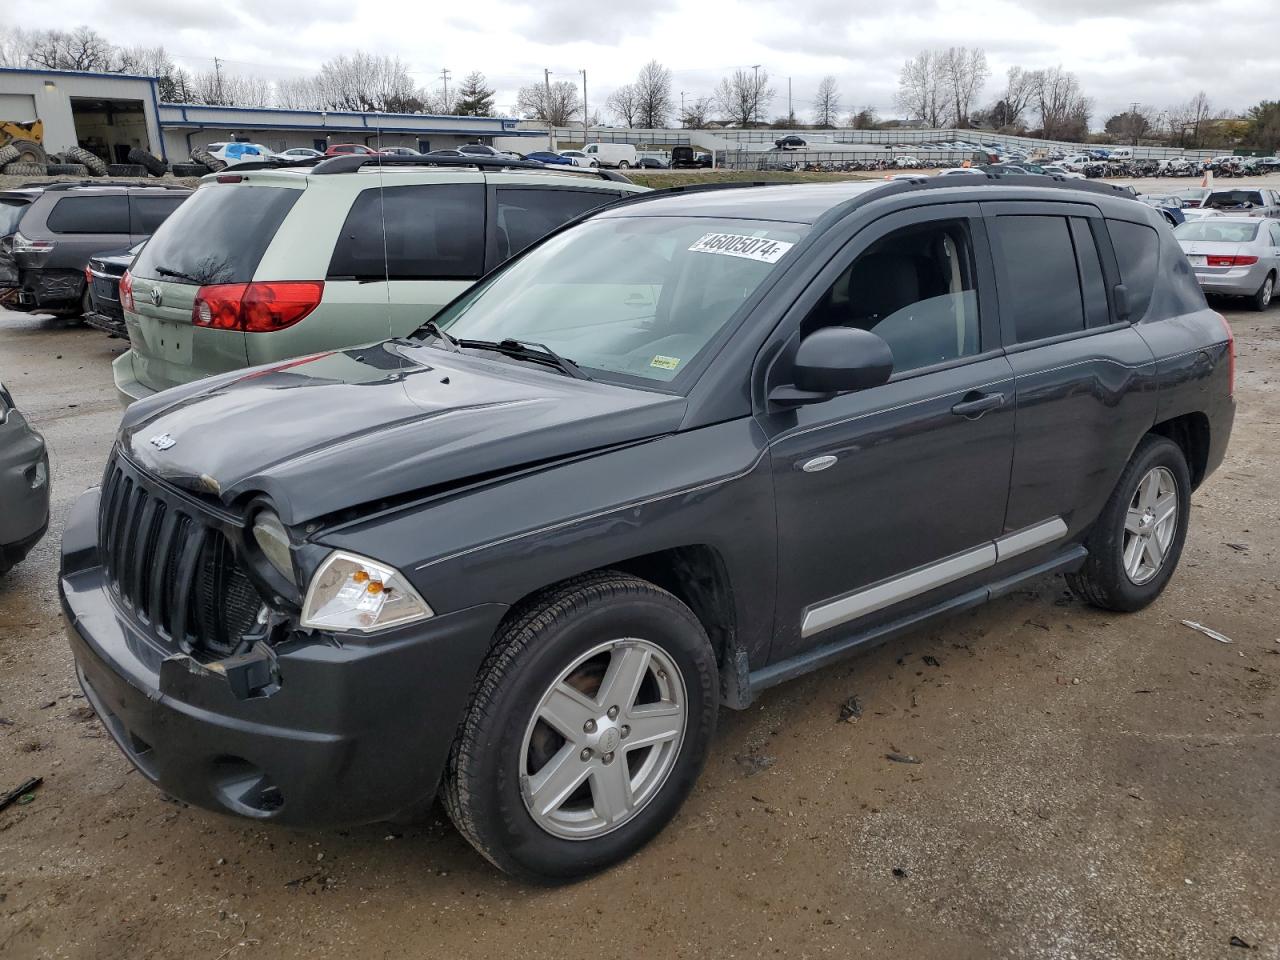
(975, 404)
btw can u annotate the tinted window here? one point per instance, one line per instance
(1138, 254)
(1275, 234)
(432, 232)
(1235, 198)
(217, 235)
(90, 215)
(526, 216)
(1039, 284)
(150, 212)
(916, 289)
(1092, 285)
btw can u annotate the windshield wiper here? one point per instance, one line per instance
(436, 330)
(177, 274)
(527, 350)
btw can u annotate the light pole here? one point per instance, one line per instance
(586, 114)
(683, 121)
(755, 92)
(551, 130)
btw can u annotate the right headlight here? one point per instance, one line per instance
(351, 592)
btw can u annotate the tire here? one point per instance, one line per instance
(20, 169)
(623, 165)
(67, 170)
(567, 635)
(30, 152)
(1262, 299)
(8, 154)
(1104, 581)
(153, 164)
(189, 170)
(126, 170)
(208, 159)
(97, 166)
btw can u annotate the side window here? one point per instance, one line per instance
(917, 289)
(1040, 286)
(1138, 254)
(1275, 234)
(149, 212)
(429, 232)
(109, 214)
(1092, 285)
(526, 215)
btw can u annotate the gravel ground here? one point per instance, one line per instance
(1091, 785)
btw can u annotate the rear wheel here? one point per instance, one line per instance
(1262, 299)
(1137, 539)
(588, 727)
(623, 165)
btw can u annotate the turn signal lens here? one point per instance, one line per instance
(126, 292)
(255, 307)
(350, 592)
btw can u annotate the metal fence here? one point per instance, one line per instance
(843, 159)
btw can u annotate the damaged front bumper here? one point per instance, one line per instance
(311, 732)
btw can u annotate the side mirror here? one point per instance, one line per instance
(835, 360)
(1121, 293)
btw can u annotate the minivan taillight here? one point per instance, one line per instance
(255, 307)
(126, 293)
(1225, 261)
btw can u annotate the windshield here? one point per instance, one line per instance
(637, 296)
(1217, 231)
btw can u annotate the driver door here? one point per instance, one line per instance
(889, 497)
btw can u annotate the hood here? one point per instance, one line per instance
(324, 433)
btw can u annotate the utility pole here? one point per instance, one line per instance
(791, 114)
(551, 130)
(755, 93)
(683, 122)
(444, 76)
(217, 73)
(586, 114)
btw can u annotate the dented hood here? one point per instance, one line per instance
(351, 427)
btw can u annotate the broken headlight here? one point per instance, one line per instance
(351, 592)
(272, 539)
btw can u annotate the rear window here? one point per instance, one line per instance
(150, 212)
(11, 212)
(1234, 198)
(217, 235)
(1216, 230)
(428, 232)
(102, 214)
(526, 216)
(1138, 255)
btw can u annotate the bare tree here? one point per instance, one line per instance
(624, 104)
(368, 82)
(920, 89)
(964, 72)
(744, 95)
(863, 119)
(697, 112)
(1189, 121)
(1019, 94)
(298, 93)
(224, 89)
(826, 105)
(558, 106)
(80, 49)
(653, 95)
(1064, 110)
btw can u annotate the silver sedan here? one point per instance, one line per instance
(1234, 256)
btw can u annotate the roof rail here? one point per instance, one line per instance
(696, 188)
(272, 163)
(351, 162)
(69, 184)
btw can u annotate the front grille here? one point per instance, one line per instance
(175, 572)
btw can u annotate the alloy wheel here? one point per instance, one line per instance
(1150, 524)
(603, 739)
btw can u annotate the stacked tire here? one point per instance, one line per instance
(23, 158)
(149, 163)
(207, 159)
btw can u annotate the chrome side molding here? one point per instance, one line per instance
(851, 606)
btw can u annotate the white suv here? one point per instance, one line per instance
(271, 262)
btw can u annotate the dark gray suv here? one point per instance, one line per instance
(48, 232)
(681, 451)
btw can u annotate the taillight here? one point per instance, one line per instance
(126, 293)
(1224, 261)
(23, 244)
(1231, 356)
(88, 275)
(255, 307)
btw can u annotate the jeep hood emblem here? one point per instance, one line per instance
(162, 441)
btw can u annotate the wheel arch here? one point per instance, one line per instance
(1192, 433)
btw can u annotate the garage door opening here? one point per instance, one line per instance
(110, 128)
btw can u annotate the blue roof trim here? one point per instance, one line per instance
(337, 113)
(366, 131)
(78, 73)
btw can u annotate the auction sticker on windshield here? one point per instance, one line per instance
(738, 245)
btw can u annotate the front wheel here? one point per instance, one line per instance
(623, 165)
(589, 724)
(1137, 539)
(1262, 299)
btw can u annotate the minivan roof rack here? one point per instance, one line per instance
(70, 184)
(351, 162)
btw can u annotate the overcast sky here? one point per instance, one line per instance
(1157, 52)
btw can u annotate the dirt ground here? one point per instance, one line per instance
(1090, 785)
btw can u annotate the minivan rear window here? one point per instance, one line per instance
(217, 235)
(101, 214)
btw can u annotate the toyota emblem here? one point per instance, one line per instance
(157, 296)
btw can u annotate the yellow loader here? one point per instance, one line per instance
(25, 138)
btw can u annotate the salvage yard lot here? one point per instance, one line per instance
(1090, 784)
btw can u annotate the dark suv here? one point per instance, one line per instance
(689, 447)
(48, 232)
